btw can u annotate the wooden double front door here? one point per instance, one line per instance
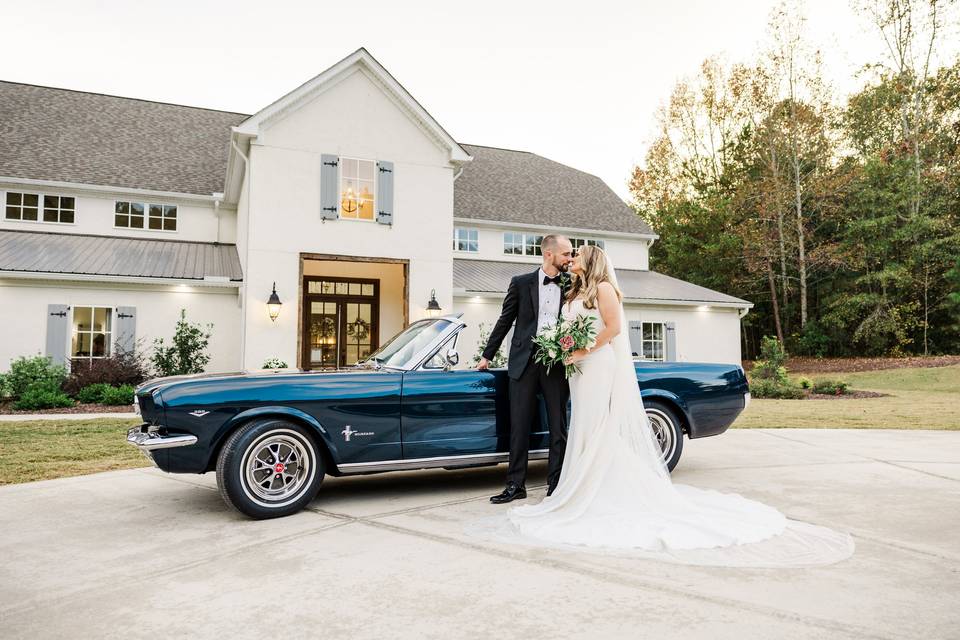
(341, 321)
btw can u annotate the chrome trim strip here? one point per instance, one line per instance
(432, 463)
(152, 441)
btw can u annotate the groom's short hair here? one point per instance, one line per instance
(550, 242)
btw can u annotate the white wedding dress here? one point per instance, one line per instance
(615, 493)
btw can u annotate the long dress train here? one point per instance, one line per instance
(615, 494)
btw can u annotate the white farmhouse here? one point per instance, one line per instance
(345, 197)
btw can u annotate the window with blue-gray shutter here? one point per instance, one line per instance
(125, 329)
(636, 338)
(57, 323)
(329, 189)
(384, 201)
(671, 339)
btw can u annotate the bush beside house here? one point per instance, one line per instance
(36, 383)
(769, 377)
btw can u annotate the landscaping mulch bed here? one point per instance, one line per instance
(807, 365)
(7, 409)
(852, 394)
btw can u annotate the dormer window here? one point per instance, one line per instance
(26, 206)
(357, 180)
(140, 215)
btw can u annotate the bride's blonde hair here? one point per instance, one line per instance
(594, 272)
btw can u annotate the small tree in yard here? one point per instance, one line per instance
(499, 360)
(187, 352)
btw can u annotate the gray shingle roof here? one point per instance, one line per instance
(487, 276)
(521, 187)
(72, 136)
(32, 251)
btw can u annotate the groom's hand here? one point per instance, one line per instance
(483, 365)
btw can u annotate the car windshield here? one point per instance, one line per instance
(401, 349)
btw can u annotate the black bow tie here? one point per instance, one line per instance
(555, 280)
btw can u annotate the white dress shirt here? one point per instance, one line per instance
(550, 295)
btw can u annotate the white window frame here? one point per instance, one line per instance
(524, 237)
(376, 170)
(146, 216)
(108, 334)
(580, 242)
(40, 197)
(472, 237)
(662, 341)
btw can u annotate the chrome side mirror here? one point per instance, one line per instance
(452, 357)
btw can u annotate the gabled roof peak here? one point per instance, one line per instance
(363, 59)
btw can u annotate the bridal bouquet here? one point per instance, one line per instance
(554, 343)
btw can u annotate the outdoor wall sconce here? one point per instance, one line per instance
(274, 304)
(433, 307)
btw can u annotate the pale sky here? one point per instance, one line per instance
(579, 83)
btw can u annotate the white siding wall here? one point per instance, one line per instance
(702, 335)
(353, 118)
(626, 253)
(23, 314)
(196, 221)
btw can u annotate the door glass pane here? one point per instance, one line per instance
(368, 289)
(323, 334)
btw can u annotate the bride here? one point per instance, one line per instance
(615, 493)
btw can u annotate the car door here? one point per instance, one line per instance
(453, 413)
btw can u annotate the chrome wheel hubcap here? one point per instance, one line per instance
(663, 430)
(277, 468)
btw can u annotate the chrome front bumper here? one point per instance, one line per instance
(146, 438)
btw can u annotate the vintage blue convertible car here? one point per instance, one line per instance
(271, 437)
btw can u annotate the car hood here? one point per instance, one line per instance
(162, 383)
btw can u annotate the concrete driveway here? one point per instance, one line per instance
(142, 554)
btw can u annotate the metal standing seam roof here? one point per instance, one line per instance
(43, 252)
(488, 276)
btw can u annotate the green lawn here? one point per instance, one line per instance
(44, 449)
(920, 398)
(927, 398)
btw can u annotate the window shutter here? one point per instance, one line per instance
(329, 190)
(57, 333)
(636, 338)
(125, 329)
(384, 192)
(671, 339)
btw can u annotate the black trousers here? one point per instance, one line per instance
(523, 410)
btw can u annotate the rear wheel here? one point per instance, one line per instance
(269, 468)
(667, 428)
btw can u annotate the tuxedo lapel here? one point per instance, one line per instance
(534, 287)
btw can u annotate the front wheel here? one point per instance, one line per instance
(667, 429)
(269, 468)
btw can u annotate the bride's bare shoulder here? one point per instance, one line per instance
(606, 288)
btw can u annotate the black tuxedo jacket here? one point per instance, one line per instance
(521, 307)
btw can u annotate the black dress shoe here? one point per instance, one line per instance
(513, 492)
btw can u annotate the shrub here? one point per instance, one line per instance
(805, 383)
(117, 396)
(832, 387)
(770, 366)
(499, 360)
(765, 388)
(44, 394)
(27, 372)
(93, 394)
(123, 367)
(187, 352)
(5, 390)
(274, 363)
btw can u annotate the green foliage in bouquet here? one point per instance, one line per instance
(554, 343)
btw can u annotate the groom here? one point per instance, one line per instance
(533, 301)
